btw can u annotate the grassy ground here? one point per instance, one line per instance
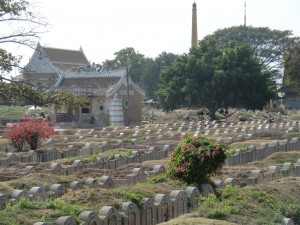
(194, 219)
(264, 204)
(13, 111)
(267, 203)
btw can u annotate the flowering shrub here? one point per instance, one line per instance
(32, 132)
(195, 158)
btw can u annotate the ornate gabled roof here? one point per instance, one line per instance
(40, 76)
(89, 82)
(104, 82)
(65, 56)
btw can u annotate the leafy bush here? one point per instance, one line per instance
(32, 132)
(195, 159)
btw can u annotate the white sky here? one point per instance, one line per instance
(103, 27)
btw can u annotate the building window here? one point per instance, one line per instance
(101, 108)
(126, 103)
(86, 109)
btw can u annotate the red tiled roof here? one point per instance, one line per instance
(66, 56)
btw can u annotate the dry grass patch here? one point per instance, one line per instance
(4, 142)
(192, 219)
(6, 189)
(256, 143)
(282, 157)
(39, 179)
(94, 199)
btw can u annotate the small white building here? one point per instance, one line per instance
(109, 95)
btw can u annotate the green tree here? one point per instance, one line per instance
(137, 61)
(215, 78)
(13, 92)
(269, 46)
(21, 25)
(151, 72)
(292, 68)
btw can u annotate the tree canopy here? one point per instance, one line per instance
(269, 46)
(21, 25)
(13, 92)
(151, 72)
(215, 78)
(292, 68)
(137, 61)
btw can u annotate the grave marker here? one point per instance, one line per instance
(89, 218)
(178, 199)
(131, 212)
(56, 190)
(38, 194)
(148, 212)
(65, 220)
(163, 207)
(109, 215)
(106, 182)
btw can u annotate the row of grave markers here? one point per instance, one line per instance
(237, 158)
(263, 151)
(273, 173)
(104, 163)
(136, 176)
(152, 211)
(52, 154)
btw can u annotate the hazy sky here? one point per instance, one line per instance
(103, 27)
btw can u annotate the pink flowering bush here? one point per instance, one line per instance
(32, 132)
(195, 158)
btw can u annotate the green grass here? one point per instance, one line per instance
(127, 141)
(292, 135)
(87, 160)
(27, 212)
(13, 111)
(249, 206)
(130, 196)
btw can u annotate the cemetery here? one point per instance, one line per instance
(206, 136)
(110, 175)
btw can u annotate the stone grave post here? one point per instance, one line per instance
(148, 212)
(106, 182)
(38, 194)
(109, 215)
(65, 220)
(131, 212)
(179, 203)
(89, 218)
(163, 207)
